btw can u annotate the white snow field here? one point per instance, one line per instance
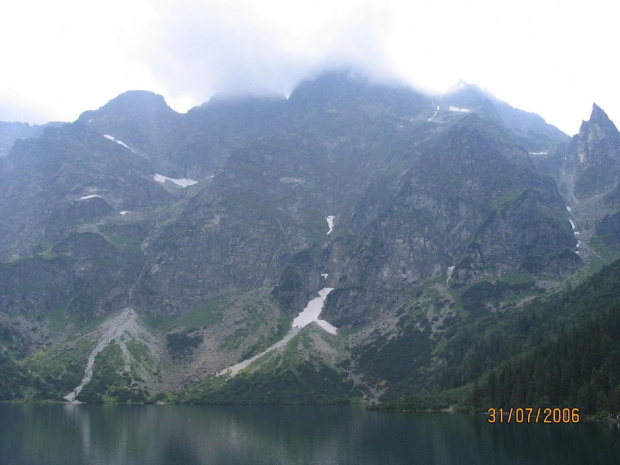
(183, 182)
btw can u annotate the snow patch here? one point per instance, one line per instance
(86, 197)
(289, 180)
(331, 329)
(313, 309)
(544, 152)
(575, 232)
(461, 110)
(120, 142)
(183, 182)
(434, 114)
(449, 273)
(568, 209)
(330, 223)
(308, 315)
(325, 275)
(124, 212)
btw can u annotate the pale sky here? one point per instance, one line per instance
(62, 57)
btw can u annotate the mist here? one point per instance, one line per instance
(202, 53)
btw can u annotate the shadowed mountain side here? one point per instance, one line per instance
(593, 159)
(11, 132)
(42, 179)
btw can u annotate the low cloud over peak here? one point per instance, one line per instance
(203, 52)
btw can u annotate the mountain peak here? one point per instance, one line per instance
(594, 159)
(139, 99)
(598, 115)
(459, 86)
(131, 102)
(599, 119)
(347, 90)
(329, 82)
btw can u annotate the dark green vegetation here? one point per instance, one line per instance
(181, 343)
(571, 355)
(580, 368)
(400, 362)
(61, 367)
(297, 376)
(16, 382)
(477, 296)
(560, 350)
(206, 314)
(304, 384)
(109, 382)
(282, 327)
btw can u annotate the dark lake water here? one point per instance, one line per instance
(309, 435)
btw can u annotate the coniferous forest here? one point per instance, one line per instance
(560, 351)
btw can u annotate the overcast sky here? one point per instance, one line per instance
(62, 57)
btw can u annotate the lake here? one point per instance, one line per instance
(32, 434)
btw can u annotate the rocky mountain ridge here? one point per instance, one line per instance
(217, 227)
(11, 132)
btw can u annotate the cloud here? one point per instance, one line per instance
(11, 111)
(203, 51)
(67, 56)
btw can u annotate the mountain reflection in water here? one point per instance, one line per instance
(322, 435)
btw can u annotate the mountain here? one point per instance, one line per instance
(594, 156)
(69, 177)
(589, 177)
(528, 129)
(557, 350)
(270, 200)
(194, 145)
(147, 251)
(10, 132)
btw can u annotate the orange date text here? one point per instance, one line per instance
(528, 415)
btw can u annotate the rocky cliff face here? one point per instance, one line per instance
(589, 178)
(529, 130)
(70, 175)
(470, 206)
(220, 225)
(594, 156)
(191, 146)
(11, 132)
(469, 198)
(84, 265)
(412, 198)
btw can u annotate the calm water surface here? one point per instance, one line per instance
(186, 435)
